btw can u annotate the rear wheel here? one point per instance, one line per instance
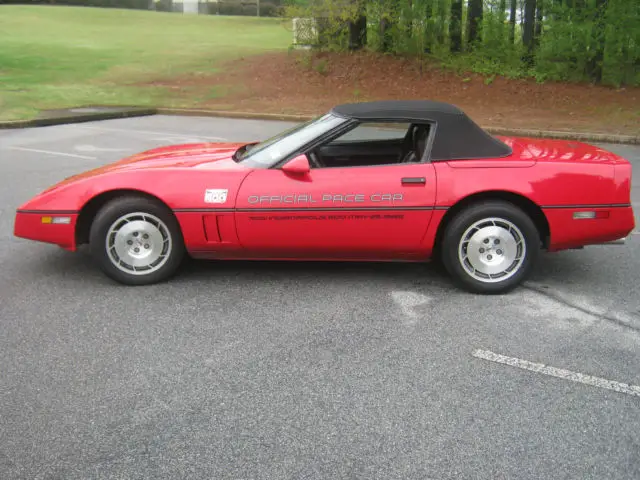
(136, 241)
(490, 247)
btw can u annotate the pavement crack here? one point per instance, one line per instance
(564, 301)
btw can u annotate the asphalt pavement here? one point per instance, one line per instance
(308, 370)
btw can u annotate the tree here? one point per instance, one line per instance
(512, 21)
(456, 25)
(408, 18)
(358, 32)
(475, 19)
(441, 18)
(427, 35)
(539, 18)
(528, 29)
(576, 40)
(595, 65)
(387, 21)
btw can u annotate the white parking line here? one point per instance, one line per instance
(147, 132)
(559, 373)
(49, 152)
(93, 148)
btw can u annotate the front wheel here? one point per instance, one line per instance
(490, 247)
(136, 241)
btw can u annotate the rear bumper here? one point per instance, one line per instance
(29, 225)
(567, 232)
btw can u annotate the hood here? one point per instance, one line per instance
(201, 155)
(195, 155)
(176, 156)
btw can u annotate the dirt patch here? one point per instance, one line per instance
(297, 83)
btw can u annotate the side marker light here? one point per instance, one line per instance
(590, 215)
(56, 220)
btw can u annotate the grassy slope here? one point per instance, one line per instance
(54, 57)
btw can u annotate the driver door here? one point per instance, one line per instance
(364, 212)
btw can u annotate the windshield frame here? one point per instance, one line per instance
(274, 150)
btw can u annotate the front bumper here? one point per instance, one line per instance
(43, 226)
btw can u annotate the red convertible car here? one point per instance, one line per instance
(378, 181)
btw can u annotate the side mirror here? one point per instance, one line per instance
(297, 165)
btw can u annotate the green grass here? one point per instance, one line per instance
(57, 57)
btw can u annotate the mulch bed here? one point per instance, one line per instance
(298, 83)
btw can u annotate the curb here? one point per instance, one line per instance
(78, 118)
(282, 117)
(140, 112)
(577, 136)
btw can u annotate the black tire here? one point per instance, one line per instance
(468, 217)
(128, 205)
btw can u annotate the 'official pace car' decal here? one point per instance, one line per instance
(215, 195)
(325, 198)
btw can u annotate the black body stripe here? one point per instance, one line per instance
(322, 209)
(49, 212)
(208, 210)
(204, 210)
(304, 209)
(395, 207)
(611, 205)
(329, 209)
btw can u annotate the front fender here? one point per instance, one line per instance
(177, 188)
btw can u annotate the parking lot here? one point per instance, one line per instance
(255, 370)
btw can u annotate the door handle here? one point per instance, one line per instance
(413, 180)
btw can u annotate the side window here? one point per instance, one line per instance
(374, 131)
(370, 144)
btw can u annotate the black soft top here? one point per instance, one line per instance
(456, 135)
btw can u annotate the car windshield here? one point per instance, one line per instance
(271, 151)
